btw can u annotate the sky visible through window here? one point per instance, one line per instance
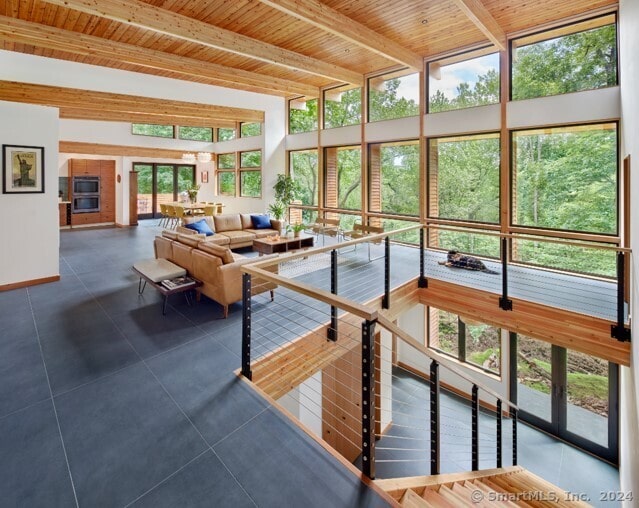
(467, 71)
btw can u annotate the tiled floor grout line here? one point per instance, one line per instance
(143, 361)
(24, 408)
(55, 409)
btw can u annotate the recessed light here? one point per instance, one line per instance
(424, 21)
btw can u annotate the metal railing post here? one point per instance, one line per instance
(246, 325)
(422, 282)
(386, 297)
(513, 415)
(434, 417)
(504, 302)
(368, 399)
(619, 331)
(475, 429)
(331, 333)
(499, 433)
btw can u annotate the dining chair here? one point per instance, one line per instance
(179, 215)
(170, 216)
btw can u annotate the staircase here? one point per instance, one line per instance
(509, 487)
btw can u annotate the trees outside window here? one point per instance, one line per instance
(226, 183)
(343, 177)
(303, 169)
(342, 107)
(250, 129)
(463, 178)
(225, 134)
(463, 84)
(394, 178)
(147, 129)
(226, 161)
(395, 96)
(250, 184)
(195, 133)
(252, 159)
(466, 340)
(302, 115)
(547, 64)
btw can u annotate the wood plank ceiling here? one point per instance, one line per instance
(282, 47)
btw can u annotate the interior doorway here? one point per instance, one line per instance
(160, 183)
(569, 394)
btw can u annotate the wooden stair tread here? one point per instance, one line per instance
(412, 499)
(435, 499)
(455, 497)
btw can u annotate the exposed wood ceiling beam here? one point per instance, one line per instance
(16, 30)
(59, 97)
(119, 150)
(328, 19)
(72, 113)
(483, 20)
(142, 15)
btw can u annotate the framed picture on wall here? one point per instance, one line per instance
(205, 177)
(22, 169)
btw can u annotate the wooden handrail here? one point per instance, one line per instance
(445, 362)
(362, 311)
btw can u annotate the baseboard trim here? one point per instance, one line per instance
(27, 283)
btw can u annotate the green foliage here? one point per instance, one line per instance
(196, 133)
(226, 183)
(386, 105)
(303, 169)
(277, 210)
(584, 385)
(400, 179)
(348, 111)
(349, 178)
(580, 61)
(475, 195)
(226, 161)
(251, 184)
(146, 129)
(250, 129)
(484, 91)
(303, 120)
(251, 159)
(225, 134)
(286, 189)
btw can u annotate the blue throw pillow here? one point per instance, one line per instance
(201, 227)
(261, 221)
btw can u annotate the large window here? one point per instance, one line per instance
(554, 62)
(466, 340)
(343, 169)
(251, 174)
(342, 106)
(394, 178)
(226, 161)
(565, 178)
(393, 95)
(196, 133)
(160, 184)
(303, 169)
(302, 115)
(226, 183)
(455, 84)
(147, 129)
(463, 178)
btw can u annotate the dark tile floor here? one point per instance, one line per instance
(104, 402)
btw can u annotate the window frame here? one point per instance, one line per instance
(324, 101)
(178, 129)
(242, 135)
(173, 130)
(289, 109)
(219, 181)
(401, 73)
(217, 134)
(249, 169)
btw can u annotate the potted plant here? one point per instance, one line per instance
(286, 189)
(277, 210)
(297, 229)
(192, 191)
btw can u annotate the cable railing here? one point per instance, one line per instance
(360, 402)
(328, 346)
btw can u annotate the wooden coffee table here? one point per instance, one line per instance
(264, 246)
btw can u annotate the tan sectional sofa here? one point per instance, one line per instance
(233, 230)
(215, 265)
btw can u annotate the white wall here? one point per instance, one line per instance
(629, 77)
(30, 231)
(40, 70)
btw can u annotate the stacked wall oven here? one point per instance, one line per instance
(86, 194)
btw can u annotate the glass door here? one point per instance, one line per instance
(145, 190)
(566, 393)
(160, 184)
